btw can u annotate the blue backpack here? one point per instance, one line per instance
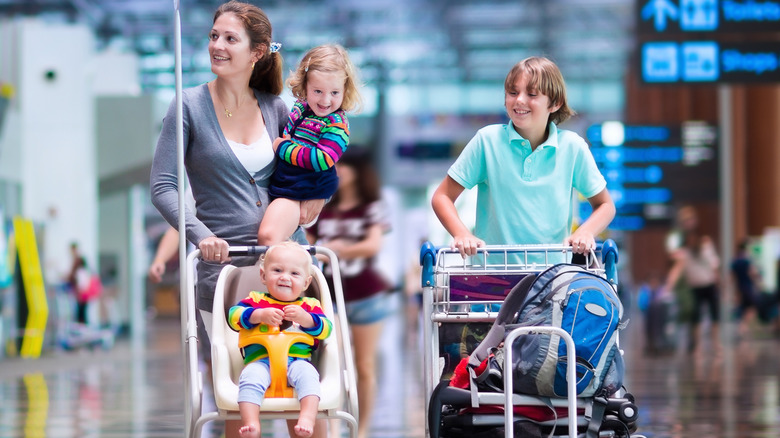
(580, 302)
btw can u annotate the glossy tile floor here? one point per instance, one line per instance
(135, 390)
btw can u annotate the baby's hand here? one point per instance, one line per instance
(270, 316)
(297, 314)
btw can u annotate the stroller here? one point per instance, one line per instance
(333, 358)
(467, 294)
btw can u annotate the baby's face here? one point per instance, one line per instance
(285, 273)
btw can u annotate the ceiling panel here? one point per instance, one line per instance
(404, 41)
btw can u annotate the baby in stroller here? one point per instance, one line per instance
(286, 273)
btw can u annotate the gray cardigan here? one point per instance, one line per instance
(229, 202)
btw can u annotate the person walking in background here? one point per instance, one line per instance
(229, 124)
(352, 225)
(748, 281)
(316, 135)
(697, 261)
(525, 171)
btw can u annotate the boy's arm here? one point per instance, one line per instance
(331, 144)
(584, 238)
(443, 203)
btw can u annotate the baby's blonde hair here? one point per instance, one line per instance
(327, 58)
(294, 246)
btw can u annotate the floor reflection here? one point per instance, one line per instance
(137, 391)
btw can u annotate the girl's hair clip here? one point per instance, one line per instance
(275, 47)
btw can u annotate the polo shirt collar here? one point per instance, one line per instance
(552, 139)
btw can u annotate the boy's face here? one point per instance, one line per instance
(285, 272)
(529, 110)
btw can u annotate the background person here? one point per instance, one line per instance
(352, 225)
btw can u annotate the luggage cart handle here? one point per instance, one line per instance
(609, 256)
(571, 376)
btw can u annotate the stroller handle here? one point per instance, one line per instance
(261, 249)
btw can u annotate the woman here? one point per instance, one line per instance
(696, 262)
(352, 225)
(230, 124)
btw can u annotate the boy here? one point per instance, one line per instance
(286, 272)
(525, 171)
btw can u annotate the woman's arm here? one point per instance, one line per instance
(167, 248)
(369, 246)
(443, 203)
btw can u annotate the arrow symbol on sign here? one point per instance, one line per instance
(661, 9)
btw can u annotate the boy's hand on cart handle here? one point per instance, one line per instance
(467, 244)
(214, 249)
(581, 242)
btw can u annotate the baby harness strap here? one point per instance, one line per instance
(278, 344)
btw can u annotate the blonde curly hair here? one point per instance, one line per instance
(327, 58)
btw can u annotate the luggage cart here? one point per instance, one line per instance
(466, 292)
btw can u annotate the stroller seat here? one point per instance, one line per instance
(333, 358)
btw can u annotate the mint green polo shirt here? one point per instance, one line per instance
(526, 197)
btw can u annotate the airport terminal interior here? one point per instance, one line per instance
(677, 99)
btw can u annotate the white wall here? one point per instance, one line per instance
(57, 141)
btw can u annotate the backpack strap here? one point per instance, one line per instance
(596, 416)
(506, 315)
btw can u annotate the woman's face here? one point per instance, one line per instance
(229, 46)
(347, 175)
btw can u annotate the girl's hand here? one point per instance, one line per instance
(297, 314)
(467, 244)
(214, 249)
(270, 316)
(581, 242)
(310, 209)
(278, 141)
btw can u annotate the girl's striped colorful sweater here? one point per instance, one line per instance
(316, 143)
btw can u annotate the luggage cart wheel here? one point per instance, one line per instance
(628, 412)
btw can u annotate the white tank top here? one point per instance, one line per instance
(256, 156)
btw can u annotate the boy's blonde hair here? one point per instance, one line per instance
(544, 77)
(327, 58)
(294, 246)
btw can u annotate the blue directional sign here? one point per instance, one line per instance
(648, 166)
(669, 16)
(709, 61)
